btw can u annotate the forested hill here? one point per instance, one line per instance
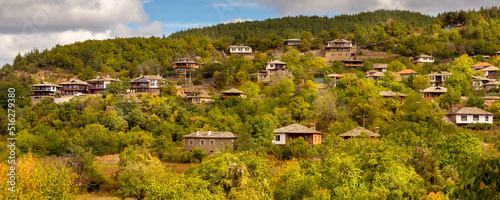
(289, 27)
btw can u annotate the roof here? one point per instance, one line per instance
(150, 77)
(339, 40)
(294, 39)
(490, 68)
(435, 90)
(295, 128)
(481, 64)
(440, 73)
(240, 46)
(470, 110)
(277, 62)
(380, 65)
(480, 78)
(47, 84)
(371, 71)
(376, 74)
(185, 60)
(357, 132)
(211, 134)
(391, 94)
(407, 71)
(491, 98)
(200, 96)
(424, 56)
(497, 52)
(232, 91)
(492, 83)
(74, 82)
(336, 75)
(103, 79)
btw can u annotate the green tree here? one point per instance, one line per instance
(88, 73)
(284, 88)
(395, 66)
(251, 89)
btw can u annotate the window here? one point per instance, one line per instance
(191, 142)
(306, 138)
(277, 138)
(475, 117)
(212, 142)
(487, 118)
(464, 117)
(202, 142)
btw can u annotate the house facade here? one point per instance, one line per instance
(147, 84)
(470, 115)
(497, 54)
(358, 132)
(274, 70)
(392, 95)
(481, 65)
(438, 78)
(240, 49)
(336, 77)
(73, 87)
(433, 92)
(183, 65)
(209, 141)
(339, 49)
(98, 85)
(372, 74)
(491, 72)
(423, 58)
(44, 89)
(197, 99)
(283, 135)
(352, 63)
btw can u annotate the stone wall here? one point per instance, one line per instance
(207, 147)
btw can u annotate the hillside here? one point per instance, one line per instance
(289, 27)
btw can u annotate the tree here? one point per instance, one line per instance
(284, 88)
(421, 82)
(462, 65)
(221, 79)
(117, 88)
(168, 88)
(299, 108)
(395, 66)
(475, 101)
(88, 73)
(319, 63)
(251, 89)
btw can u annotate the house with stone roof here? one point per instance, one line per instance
(481, 65)
(470, 115)
(490, 72)
(392, 95)
(339, 49)
(380, 67)
(147, 84)
(497, 54)
(240, 49)
(375, 75)
(209, 141)
(438, 78)
(73, 87)
(183, 65)
(275, 69)
(406, 73)
(233, 92)
(98, 85)
(422, 58)
(433, 92)
(293, 41)
(359, 131)
(336, 77)
(294, 131)
(197, 99)
(44, 89)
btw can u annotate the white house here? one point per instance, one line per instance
(438, 78)
(240, 49)
(294, 131)
(147, 83)
(470, 115)
(423, 59)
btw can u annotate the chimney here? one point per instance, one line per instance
(209, 132)
(313, 126)
(197, 132)
(376, 130)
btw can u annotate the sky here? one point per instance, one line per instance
(41, 24)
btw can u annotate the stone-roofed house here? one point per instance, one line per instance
(74, 87)
(375, 75)
(469, 115)
(233, 92)
(481, 65)
(339, 49)
(197, 99)
(98, 85)
(438, 78)
(432, 92)
(422, 58)
(209, 141)
(479, 82)
(497, 54)
(240, 49)
(391, 95)
(275, 70)
(381, 67)
(358, 131)
(44, 89)
(491, 72)
(185, 64)
(406, 73)
(285, 134)
(336, 77)
(147, 84)
(293, 41)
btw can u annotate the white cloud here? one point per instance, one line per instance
(320, 7)
(26, 24)
(237, 20)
